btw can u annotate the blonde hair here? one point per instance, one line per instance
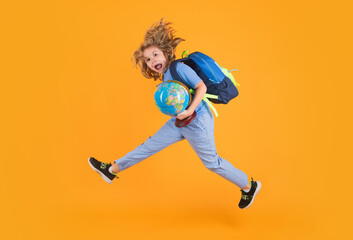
(160, 35)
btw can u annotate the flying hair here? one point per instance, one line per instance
(160, 35)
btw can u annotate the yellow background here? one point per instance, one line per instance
(69, 91)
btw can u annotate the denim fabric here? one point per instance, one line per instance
(200, 135)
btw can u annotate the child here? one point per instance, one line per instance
(154, 57)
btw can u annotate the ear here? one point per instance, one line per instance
(170, 54)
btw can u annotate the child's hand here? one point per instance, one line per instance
(184, 114)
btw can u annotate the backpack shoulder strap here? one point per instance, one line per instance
(175, 74)
(173, 71)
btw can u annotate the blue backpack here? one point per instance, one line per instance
(220, 83)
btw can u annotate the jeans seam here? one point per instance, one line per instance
(207, 133)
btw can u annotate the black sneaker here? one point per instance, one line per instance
(102, 169)
(248, 197)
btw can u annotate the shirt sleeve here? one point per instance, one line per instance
(187, 74)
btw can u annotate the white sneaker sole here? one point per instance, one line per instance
(255, 193)
(102, 175)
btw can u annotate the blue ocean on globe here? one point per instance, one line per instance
(172, 97)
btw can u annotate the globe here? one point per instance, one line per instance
(172, 97)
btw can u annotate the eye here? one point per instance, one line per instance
(147, 59)
(155, 55)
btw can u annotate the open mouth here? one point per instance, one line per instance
(158, 66)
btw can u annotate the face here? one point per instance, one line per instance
(155, 59)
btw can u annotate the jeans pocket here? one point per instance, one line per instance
(199, 122)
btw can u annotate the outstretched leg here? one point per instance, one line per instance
(164, 137)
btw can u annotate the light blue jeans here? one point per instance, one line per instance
(200, 134)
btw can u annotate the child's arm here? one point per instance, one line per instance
(200, 90)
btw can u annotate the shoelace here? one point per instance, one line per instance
(244, 197)
(105, 165)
